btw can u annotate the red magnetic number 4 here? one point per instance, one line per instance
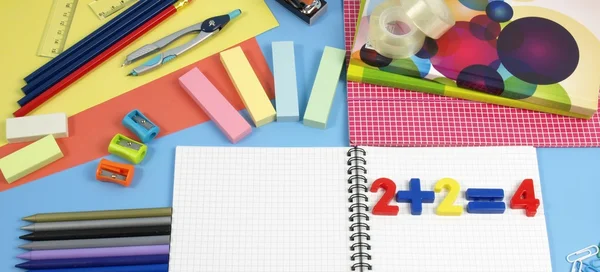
(383, 207)
(524, 198)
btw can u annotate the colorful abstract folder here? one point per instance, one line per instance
(386, 116)
(537, 55)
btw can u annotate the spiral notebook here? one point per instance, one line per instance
(311, 209)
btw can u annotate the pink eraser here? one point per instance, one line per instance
(216, 106)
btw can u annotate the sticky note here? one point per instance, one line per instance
(215, 105)
(323, 91)
(286, 88)
(35, 127)
(248, 86)
(30, 158)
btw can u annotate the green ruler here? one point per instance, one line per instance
(105, 8)
(57, 28)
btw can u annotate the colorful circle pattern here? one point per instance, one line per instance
(484, 28)
(499, 11)
(371, 57)
(475, 4)
(538, 51)
(513, 60)
(482, 78)
(459, 49)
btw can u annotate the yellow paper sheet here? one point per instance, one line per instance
(22, 24)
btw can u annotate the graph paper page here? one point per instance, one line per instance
(260, 209)
(466, 243)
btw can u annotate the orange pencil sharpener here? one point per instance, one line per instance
(119, 173)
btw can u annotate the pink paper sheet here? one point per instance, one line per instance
(382, 116)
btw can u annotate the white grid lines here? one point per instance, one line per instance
(260, 209)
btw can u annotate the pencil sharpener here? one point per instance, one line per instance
(308, 10)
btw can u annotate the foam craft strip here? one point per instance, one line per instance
(87, 143)
(204, 93)
(248, 86)
(286, 87)
(323, 91)
(30, 158)
(35, 127)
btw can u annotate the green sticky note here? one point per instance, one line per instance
(323, 91)
(30, 158)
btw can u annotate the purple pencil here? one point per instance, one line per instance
(95, 252)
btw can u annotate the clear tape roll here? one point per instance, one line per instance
(397, 28)
(392, 33)
(433, 17)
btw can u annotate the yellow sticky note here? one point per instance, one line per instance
(109, 79)
(248, 86)
(30, 158)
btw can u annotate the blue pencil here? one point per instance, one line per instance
(128, 268)
(95, 262)
(116, 22)
(94, 48)
(59, 75)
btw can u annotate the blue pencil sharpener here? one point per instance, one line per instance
(141, 126)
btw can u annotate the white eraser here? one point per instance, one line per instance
(35, 127)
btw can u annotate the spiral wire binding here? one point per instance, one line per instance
(358, 208)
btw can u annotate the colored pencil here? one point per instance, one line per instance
(78, 63)
(99, 215)
(84, 43)
(67, 81)
(127, 268)
(97, 45)
(93, 243)
(99, 224)
(95, 262)
(94, 252)
(97, 233)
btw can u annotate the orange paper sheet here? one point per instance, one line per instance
(162, 101)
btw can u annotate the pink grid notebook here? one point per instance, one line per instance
(382, 116)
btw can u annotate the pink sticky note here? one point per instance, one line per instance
(215, 105)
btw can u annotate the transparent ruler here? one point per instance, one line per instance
(105, 8)
(57, 28)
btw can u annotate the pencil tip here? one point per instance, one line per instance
(29, 218)
(28, 228)
(26, 246)
(24, 256)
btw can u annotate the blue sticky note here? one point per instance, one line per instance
(415, 197)
(286, 88)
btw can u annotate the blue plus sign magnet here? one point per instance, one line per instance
(415, 197)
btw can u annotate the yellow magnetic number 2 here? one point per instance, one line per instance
(447, 206)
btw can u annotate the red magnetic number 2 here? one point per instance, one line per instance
(524, 198)
(383, 206)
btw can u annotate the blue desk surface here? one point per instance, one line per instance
(570, 177)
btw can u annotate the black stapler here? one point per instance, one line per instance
(307, 10)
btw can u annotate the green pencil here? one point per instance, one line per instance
(99, 215)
